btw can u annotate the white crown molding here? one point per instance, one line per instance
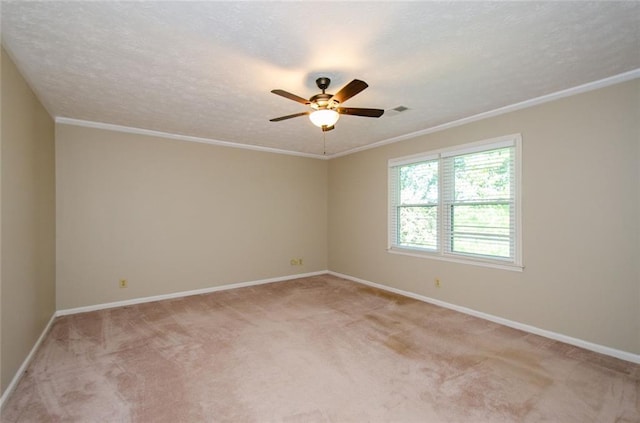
(590, 86)
(188, 138)
(622, 355)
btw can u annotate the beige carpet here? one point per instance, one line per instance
(319, 349)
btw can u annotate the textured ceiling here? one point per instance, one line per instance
(205, 69)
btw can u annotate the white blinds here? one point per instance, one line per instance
(460, 202)
(479, 203)
(413, 188)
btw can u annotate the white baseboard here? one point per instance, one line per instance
(16, 378)
(623, 355)
(25, 364)
(180, 294)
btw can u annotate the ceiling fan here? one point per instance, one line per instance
(326, 107)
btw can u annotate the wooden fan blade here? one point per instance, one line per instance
(354, 111)
(349, 90)
(278, 119)
(290, 96)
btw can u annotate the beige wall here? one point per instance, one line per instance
(28, 220)
(172, 216)
(581, 209)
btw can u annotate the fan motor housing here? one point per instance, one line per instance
(322, 101)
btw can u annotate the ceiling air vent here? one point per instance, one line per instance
(395, 111)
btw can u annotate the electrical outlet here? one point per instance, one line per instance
(436, 282)
(123, 283)
(296, 262)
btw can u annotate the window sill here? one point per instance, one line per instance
(457, 259)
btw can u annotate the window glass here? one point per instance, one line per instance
(460, 202)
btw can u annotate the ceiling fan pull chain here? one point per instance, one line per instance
(324, 140)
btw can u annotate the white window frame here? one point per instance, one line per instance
(441, 253)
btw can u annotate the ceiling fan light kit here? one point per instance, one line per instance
(324, 117)
(325, 111)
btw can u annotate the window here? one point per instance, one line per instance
(460, 204)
